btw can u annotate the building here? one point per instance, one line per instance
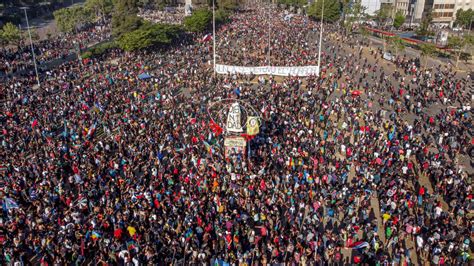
(371, 6)
(402, 6)
(444, 11)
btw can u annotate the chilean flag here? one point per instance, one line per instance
(359, 245)
(206, 38)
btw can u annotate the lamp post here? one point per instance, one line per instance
(320, 38)
(31, 44)
(214, 35)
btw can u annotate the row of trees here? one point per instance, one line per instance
(133, 33)
(332, 10)
(73, 18)
(457, 44)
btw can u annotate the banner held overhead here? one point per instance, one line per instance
(302, 71)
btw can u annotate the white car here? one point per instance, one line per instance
(388, 56)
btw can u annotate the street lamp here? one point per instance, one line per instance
(31, 44)
(214, 35)
(320, 39)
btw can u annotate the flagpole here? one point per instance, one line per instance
(320, 38)
(214, 35)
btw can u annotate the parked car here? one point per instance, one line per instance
(388, 56)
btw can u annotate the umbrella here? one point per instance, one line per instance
(356, 93)
(144, 76)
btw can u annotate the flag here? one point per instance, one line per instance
(359, 245)
(34, 123)
(91, 130)
(237, 91)
(131, 245)
(95, 235)
(82, 203)
(253, 125)
(99, 106)
(9, 203)
(208, 147)
(206, 38)
(215, 128)
(189, 234)
(247, 137)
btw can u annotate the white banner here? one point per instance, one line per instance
(302, 71)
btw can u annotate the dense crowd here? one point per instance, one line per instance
(173, 16)
(268, 37)
(19, 59)
(359, 165)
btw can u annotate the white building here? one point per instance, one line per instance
(444, 11)
(371, 6)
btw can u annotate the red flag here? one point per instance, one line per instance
(215, 128)
(247, 137)
(206, 38)
(34, 124)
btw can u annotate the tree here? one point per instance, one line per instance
(352, 12)
(70, 19)
(332, 10)
(10, 33)
(464, 17)
(99, 49)
(199, 21)
(124, 17)
(399, 20)
(397, 44)
(423, 30)
(101, 8)
(222, 16)
(458, 45)
(383, 14)
(364, 32)
(149, 35)
(427, 50)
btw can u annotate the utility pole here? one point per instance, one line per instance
(31, 44)
(320, 38)
(214, 35)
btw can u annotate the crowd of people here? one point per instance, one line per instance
(268, 37)
(19, 59)
(362, 164)
(173, 16)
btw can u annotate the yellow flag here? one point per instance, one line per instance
(253, 126)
